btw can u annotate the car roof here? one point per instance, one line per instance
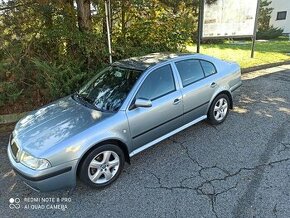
(144, 62)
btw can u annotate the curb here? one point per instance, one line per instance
(13, 118)
(264, 66)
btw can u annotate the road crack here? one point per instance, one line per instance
(200, 189)
(244, 205)
(286, 146)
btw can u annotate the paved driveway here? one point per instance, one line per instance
(237, 169)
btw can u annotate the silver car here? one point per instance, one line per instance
(126, 108)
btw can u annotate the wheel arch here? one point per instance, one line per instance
(116, 142)
(226, 92)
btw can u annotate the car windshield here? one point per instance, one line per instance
(108, 90)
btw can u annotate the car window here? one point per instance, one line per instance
(159, 83)
(208, 68)
(108, 90)
(190, 71)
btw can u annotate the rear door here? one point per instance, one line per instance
(198, 86)
(165, 114)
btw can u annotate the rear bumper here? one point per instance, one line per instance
(53, 178)
(235, 87)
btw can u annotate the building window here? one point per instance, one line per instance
(281, 15)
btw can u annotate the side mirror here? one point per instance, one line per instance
(140, 102)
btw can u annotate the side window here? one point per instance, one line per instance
(208, 68)
(190, 71)
(157, 84)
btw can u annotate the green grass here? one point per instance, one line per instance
(265, 52)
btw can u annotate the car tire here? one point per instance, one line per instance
(219, 109)
(102, 166)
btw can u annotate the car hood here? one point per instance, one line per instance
(54, 123)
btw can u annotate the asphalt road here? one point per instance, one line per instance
(238, 169)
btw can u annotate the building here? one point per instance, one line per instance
(281, 15)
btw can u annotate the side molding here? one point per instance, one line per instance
(148, 145)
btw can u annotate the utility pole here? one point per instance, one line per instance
(107, 9)
(254, 37)
(199, 27)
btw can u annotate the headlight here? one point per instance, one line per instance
(33, 162)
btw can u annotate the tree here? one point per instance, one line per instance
(84, 15)
(265, 31)
(50, 47)
(264, 15)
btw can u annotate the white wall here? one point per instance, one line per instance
(281, 5)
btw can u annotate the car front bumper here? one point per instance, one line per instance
(53, 178)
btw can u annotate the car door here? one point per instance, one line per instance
(164, 116)
(198, 86)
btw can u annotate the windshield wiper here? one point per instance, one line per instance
(85, 100)
(89, 102)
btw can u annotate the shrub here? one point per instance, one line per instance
(9, 92)
(270, 33)
(55, 80)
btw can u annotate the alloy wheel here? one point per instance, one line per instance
(103, 167)
(220, 109)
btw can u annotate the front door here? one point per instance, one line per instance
(165, 114)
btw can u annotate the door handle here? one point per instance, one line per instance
(176, 101)
(213, 85)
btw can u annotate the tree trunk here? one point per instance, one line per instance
(123, 22)
(69, 14)
(84, 15)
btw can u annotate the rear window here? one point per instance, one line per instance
(190, 71)
(208, 68)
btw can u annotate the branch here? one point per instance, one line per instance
(16, 6)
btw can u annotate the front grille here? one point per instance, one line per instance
(14, 149)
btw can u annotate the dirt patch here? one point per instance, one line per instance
(6, 128)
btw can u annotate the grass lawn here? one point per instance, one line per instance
(266, 51)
